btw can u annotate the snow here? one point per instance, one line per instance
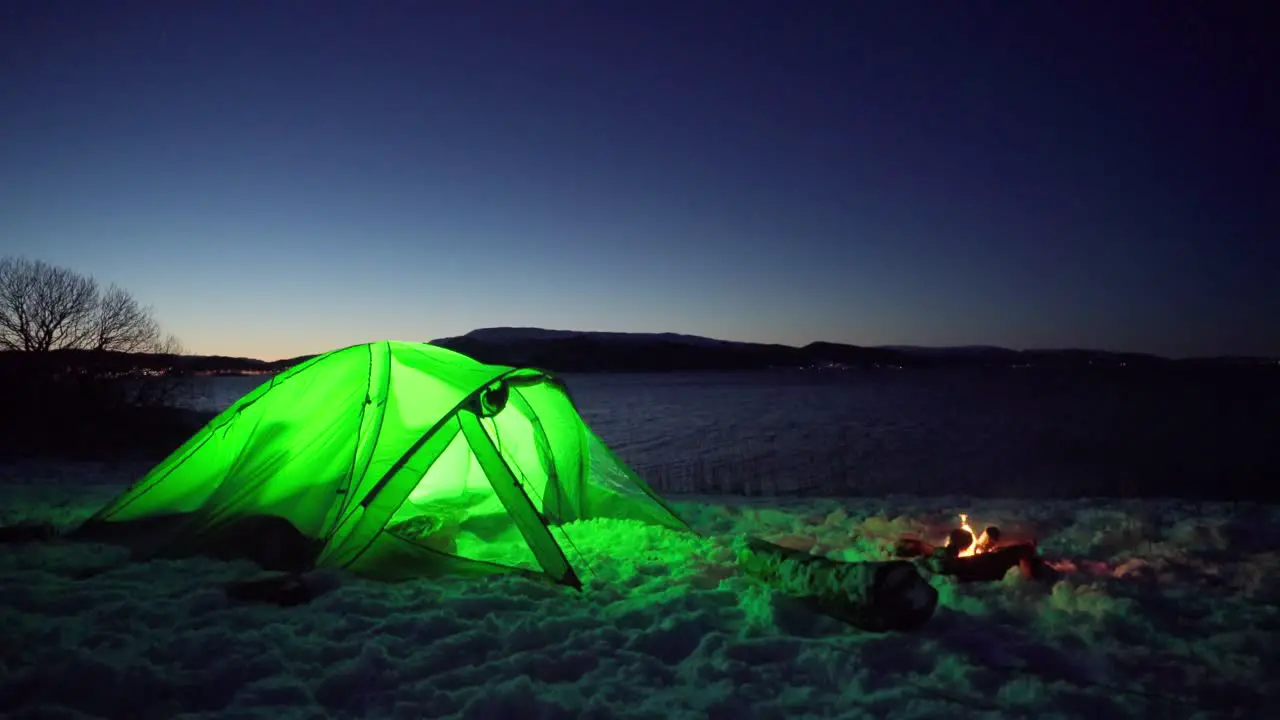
(1164, 609)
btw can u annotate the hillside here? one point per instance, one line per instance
(588, 351)
(146, 363)
(573, 351)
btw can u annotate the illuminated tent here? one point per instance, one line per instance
(392, 460)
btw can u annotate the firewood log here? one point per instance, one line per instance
(872, 596)
(911, 548)
(993, 565)
(28, 532)
(284, 589)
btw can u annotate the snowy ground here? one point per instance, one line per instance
(1165, 610)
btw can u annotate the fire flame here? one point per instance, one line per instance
(977, 543)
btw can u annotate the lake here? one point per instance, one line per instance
(1004, 432)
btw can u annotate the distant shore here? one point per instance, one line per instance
(567, 351)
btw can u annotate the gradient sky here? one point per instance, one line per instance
(279, 178)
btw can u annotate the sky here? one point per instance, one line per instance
(279, 178)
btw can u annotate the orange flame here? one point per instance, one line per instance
(977, 544)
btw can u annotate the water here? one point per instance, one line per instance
(1021, 433)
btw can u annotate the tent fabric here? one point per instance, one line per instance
(393, 460)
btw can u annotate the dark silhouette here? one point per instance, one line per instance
(574, 351)
(65, 393)
(44, 308)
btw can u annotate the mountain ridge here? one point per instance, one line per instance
(612, 351)
(604, 351)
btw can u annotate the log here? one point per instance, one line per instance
(871, 596)
(28, 532)
(283, 589)
(911, 548)
(995, 564)
(991, 564)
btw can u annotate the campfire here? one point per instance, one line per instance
(970, 543)
(970, 556)
(891, 594)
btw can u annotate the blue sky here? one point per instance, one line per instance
(279, 178)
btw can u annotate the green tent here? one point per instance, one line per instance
(392, 460)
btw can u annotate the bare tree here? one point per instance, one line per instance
(120, 323)
(171, 345)
(44, 307)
